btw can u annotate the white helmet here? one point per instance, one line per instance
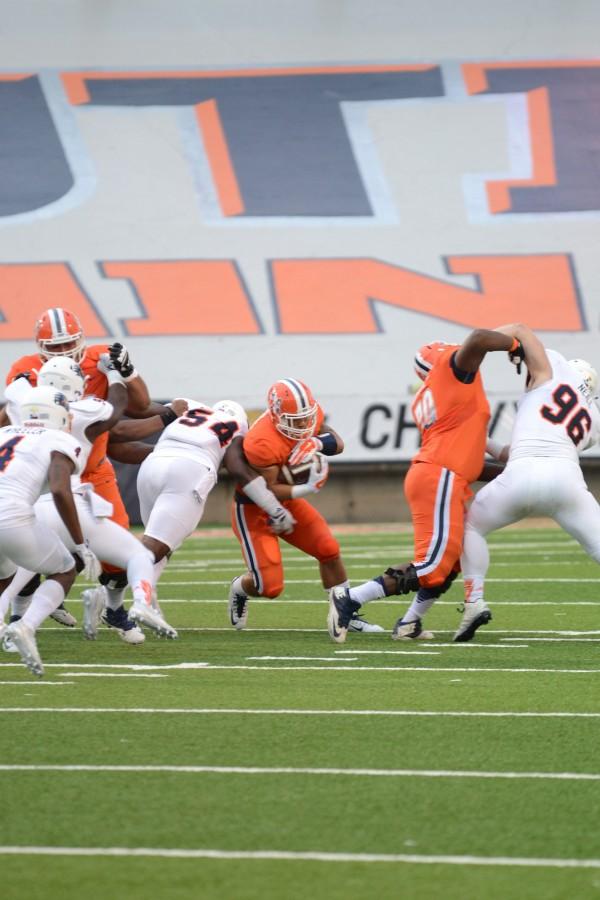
(45, 407)
(587, 372)
(231, 409)
(64, 374)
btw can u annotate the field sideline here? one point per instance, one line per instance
(272, 763)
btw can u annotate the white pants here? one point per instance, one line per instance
(172, 493)
(536, 486)
(35, 547)
(109, 541)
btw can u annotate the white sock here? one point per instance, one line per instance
(45, 600)
(140, 574)
(475, 562)
(20, 605)
(370, 590)
(236, 585)
(114, 597)
(418, 608)
(159, 568)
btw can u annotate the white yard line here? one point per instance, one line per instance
(338, 668)
(300, 712)
(304, 770)
(310, 856)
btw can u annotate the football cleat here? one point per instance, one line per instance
(119, 620)
(357, 623)
(93, 600)
(341, 610)
(237, 606)
(410, 631)
(23, 637)
(475, 615)
(63, 616)
(145, 614)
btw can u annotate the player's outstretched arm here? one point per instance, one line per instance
(470, 354)
(132, 453)
(138, 429)
(535, 356)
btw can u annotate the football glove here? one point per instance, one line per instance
(319, 472)
(120, 357)
(282, 521)
(304, 451)
(108, 368)
(517, 357)
(86, 561)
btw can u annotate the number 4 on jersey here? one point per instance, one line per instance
(7, 451)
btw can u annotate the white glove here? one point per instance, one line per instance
(90, 565)
(108, 368)
(282, 521)
(317, 477)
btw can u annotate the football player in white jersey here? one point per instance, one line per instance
(557, 418)
(176, 479)
(91, 417)
(35, 457)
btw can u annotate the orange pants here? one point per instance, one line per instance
(104, 481)
(261, 548)
(437, 498)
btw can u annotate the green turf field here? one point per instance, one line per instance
(272, 763)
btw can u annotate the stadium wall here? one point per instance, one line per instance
(240, 193)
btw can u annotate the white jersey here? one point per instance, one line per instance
(200, 434)
(559, 418)
(24, 462)
(84, 412)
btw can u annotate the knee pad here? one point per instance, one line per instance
(114, 581)
(405, 577)
(31, 586)
(327, 548)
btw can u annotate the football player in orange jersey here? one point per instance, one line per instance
(290, 430)
(451, 412)
(58, 332)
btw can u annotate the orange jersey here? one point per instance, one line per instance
(264, 446)
(96, 385)
(452, 416)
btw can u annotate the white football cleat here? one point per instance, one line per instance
(63, 617)
(146, 615)
(93, 600)
(125, 627)
(357, 623)
(410, 631)
(475, 615)
(23, 637)
(237, 607)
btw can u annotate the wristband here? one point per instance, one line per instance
(301, 490)
(329, 446)
(134, 374)
(515, 345)
(260, 494)
(169, 416)
(114, 377)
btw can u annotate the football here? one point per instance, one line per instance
(298, 474)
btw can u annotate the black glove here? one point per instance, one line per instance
(517, 356)
(121, 361)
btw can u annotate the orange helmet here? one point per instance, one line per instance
(58, 332)
(427, 356)
(292, 408)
